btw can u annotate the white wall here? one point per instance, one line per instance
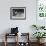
(24, 25)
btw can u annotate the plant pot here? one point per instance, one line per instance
(40, 41)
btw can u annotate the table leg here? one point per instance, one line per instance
(5, 40)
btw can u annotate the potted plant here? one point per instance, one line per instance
(39, 35)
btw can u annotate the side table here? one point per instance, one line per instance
(8, 34)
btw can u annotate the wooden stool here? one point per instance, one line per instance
(8, 34)
(27, 37)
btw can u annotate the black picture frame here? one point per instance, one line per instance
(18, 13)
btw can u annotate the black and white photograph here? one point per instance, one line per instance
(18, 13)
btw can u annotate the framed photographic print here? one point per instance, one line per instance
(17, 13)
(41, 12)
(41, 8)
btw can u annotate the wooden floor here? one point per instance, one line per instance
(13, 44)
